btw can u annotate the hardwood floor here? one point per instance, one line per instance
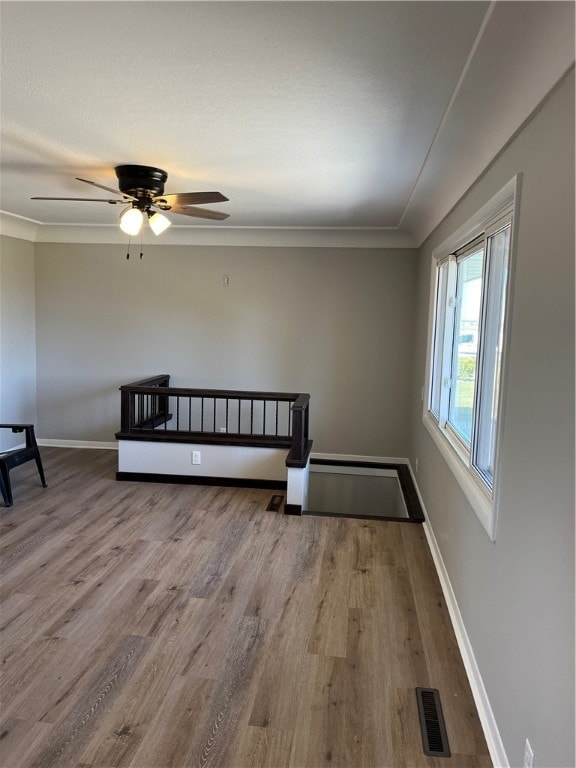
(154, 625)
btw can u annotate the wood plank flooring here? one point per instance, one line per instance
(161, 626)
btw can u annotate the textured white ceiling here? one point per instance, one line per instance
(305, 114)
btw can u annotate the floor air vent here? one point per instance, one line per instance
(275, 503)
(432, 726)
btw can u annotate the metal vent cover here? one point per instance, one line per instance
(432, 725)
(275, 503)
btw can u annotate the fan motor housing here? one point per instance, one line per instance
(141, 181)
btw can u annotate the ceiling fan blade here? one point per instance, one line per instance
(190, 198)
(200, 213)
(83, 199)
(108, 189)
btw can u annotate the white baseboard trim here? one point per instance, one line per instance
(57, 443)
(485, 713)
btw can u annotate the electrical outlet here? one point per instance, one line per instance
(416, 463)
(226, 280)
(528, 755)
(196, 457)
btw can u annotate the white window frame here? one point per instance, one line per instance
(488, 220)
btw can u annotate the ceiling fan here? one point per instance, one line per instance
(142, 189)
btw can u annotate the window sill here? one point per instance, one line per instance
(478, 497)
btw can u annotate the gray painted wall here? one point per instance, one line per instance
(17, 337)
(337, 323)
(517, 595)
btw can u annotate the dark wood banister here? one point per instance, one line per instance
(143, 387)
(298, 442)
(301, 446)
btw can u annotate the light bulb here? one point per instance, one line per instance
(158, 223)
(131, 221)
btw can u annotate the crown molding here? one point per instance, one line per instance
(13, 225)
(282, 237)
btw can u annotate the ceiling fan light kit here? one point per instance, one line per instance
(158, 222)
(131, 221)
(142, 188)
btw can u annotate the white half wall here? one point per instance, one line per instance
(297, 493)
(234, 461)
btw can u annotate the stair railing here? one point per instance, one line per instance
(152, 410)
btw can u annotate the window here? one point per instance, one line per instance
(465, 360)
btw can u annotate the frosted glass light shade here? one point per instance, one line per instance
(158, 223)
(131, 221)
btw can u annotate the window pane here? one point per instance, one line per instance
(465, 346)
(441, 295)
(497, 271)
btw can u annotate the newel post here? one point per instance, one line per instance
(125, 396)
(300, 428)
(297, 461)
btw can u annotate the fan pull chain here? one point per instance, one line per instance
(141, 253)
(129, 246)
